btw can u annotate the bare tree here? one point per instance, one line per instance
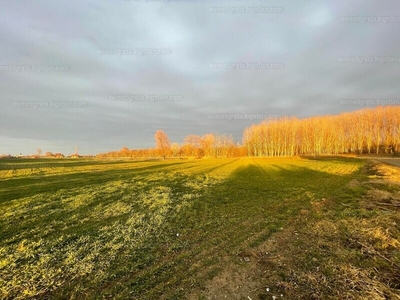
(124, 152)
(163, 144)
(192, 145)
(207, 143)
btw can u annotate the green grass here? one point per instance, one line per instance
(89, 229)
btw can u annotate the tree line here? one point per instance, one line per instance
(209, 145)
(369, 130)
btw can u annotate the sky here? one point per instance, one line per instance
(100, 75)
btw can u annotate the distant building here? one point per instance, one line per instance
(7, 156)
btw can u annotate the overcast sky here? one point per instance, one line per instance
(105, 74)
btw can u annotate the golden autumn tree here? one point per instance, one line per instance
(207, 144)
(175, 148)
(192, 145)
(163, 144)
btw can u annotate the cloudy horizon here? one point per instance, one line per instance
(101, 75)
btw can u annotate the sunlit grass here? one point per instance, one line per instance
(159, 229)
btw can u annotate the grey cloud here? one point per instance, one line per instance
(308, 38)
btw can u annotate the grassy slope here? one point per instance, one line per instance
(149, 230)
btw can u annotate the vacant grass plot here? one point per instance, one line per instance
(210, 229)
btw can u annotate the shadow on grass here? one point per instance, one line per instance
(53, 163)
(25, 187)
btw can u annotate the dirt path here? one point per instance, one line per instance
(390, 161)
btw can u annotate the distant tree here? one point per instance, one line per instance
(207, 143)
(175, 148)
(378, 128)
(163, 144)
(48, 154)
(396, 129)
(193, 140)
(124, 152)
(39, 151)
(192, 145)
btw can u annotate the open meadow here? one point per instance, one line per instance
(247, 228)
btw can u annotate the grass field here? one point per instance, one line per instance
(202, 229)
